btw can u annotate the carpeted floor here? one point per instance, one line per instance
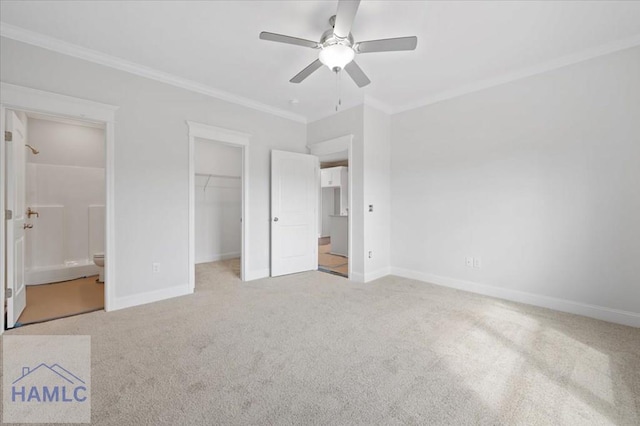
(312, 349)
(57, 300)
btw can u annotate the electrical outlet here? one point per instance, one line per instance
(370, 208)
(370, 254)
(155, 267)
(477, 262)
(468, 261)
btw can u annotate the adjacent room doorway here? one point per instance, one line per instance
(56, 192)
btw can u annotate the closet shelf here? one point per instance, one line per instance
(209, 176)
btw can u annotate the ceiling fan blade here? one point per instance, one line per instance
(387, 45)
(356, 73)
(289, 40)
(307, 71)
(344, 17)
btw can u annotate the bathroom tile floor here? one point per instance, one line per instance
(57, 300)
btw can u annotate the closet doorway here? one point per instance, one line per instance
(218, 201)
(218, 204)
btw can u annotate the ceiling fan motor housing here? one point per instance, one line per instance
(337, 52)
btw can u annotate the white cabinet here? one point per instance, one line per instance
(333, 177)
(337, 178)
(340, 235)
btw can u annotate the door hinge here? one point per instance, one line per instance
(9, 293)
(8, 136)
(8, 214)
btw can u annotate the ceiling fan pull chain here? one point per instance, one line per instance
(337, 91)
(340, 88)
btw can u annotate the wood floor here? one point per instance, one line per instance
(327, 262)
(58, 300)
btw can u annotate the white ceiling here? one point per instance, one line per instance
(215, 43)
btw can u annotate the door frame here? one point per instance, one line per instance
(227, 137)
(26, 99)
(333, 146)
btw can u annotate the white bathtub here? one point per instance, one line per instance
(57, 273)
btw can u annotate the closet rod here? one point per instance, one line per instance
(209, 176)
(217, 176)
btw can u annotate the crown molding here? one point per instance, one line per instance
(378, 104)
(564, 61)
(46, 42)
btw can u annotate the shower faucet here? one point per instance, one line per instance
(31, 212)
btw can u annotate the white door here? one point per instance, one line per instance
(295, 182)
(15, 226)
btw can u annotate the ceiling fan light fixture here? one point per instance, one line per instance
(336, 56)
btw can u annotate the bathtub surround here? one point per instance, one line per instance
(66, 186)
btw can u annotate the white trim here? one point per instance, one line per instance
(30, 37)
(564, 61)
(378, 104)
(149, 297)
(216, 257)
(3, 116)
(228, 137)
(599, 312)
(333, 146)
(46, 42)
(32, 100)
(371, 276)
(356, 277)
(258, 274)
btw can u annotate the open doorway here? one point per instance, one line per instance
(336, 195)
(218, 199)
(333, 242)
(218, 205)
(55, 187)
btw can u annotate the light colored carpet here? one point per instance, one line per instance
(49, 301)
(313, 348)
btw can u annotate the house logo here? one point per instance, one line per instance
(46, 384)
(46, 379)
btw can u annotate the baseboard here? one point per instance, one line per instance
(258, 274)
(598, 312)
(216, 257)
(356, 276)
(60, 273)
(370, 276)
(149, 297)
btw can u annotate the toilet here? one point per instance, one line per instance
(98, 259)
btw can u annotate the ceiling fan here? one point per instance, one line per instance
(338, 48)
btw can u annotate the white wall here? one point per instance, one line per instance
(328, 208)
(371, 173)
(377, 176)
(65, 185)
(539, 177)
(66, 144)
(343, 123)
(218, 201)
(151, 161)
(217, 158)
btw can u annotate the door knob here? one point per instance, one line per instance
(27, 226)
(275, 219)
